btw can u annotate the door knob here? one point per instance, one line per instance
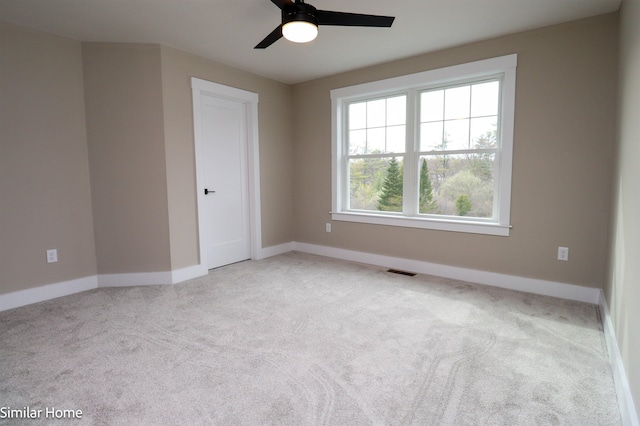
(206, 191)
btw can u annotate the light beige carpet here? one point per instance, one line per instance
(304, 340)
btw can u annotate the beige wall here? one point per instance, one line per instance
(125, 132)
(140, 135)
(623, 286)
(276, 154)
(45, 201)
(140, 127)
(563, 156)
(113, 149)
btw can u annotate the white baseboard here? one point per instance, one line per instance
(263, 253)
(152, 278)
(188, 273)
(134, 279)
(625, 399)
(512, 282)
(548, 288)
(28, 296)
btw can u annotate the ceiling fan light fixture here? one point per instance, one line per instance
(300, 22)
(300, 31)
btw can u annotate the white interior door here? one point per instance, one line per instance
(226, 199)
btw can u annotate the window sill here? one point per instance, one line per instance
(468, 226)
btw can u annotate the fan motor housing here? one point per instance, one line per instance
(299, 12)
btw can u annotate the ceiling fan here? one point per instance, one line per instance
(300, 22)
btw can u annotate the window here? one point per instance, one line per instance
(428, 150)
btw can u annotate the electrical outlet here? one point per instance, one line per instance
(327, 227)
(52, 256)
(563, 253)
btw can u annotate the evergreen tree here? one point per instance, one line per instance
(427, 205)
(365, 182)
(391, 197)
(463, 205)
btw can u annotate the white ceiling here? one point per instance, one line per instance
(226, 30)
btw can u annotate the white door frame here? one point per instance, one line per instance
(200, 88)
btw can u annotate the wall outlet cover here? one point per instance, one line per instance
(563, 253)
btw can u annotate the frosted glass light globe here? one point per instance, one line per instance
(299, 31)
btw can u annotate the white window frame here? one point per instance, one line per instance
(505, 67)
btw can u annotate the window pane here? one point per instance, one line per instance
(376, 140)
(432, 105)
(378, 126)
(375, 184)
(358, 115)
(461, 185)
(396, 110)
(456, 134)
(396, 139)
(357, 142)
(431, 136)
(376, 113)
(484, 99)
(483, 132)
(456, 102)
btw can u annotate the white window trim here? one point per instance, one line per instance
(504, 65)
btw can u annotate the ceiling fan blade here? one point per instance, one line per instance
(282, 3)
(327, 17)
(271, 38)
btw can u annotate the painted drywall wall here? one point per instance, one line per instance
(45, 199)
(276, 153)
(125, 133)
(563, 159)
(563, 67)
(140, 121)
(143, 181)
(623, 285)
